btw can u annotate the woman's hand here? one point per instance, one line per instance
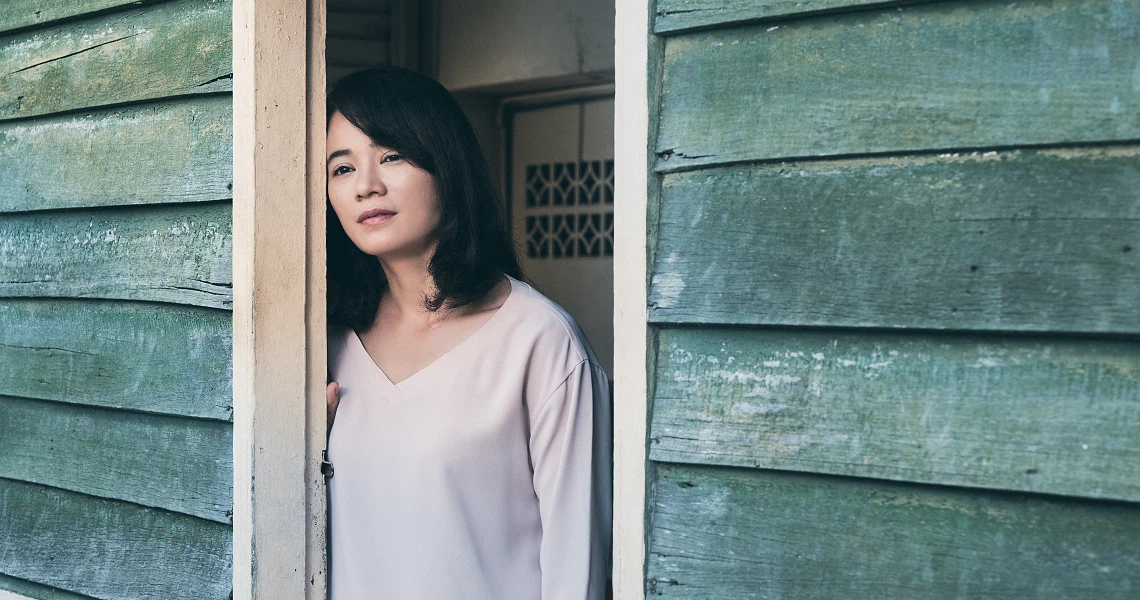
(332, 400)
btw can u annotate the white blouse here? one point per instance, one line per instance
(486, 475)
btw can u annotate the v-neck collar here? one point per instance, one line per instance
(385, 384)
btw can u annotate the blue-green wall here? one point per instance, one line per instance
(115, 297)
(895, 271)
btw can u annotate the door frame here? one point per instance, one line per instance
(633, 156)
(279, 347)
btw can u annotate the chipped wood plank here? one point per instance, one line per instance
(110, 549)
(23, 14)
(111, 157)
(1020, 240)
(156, 358)
(12, 588)
(1022, 413)
(943, 75)
(177, 253)
(182, 47)
(737, 533)
(178, 464)
(675, 16)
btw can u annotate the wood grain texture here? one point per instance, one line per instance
(733, 534)
(182, 465)
(930, 76)
(28, 589)
(179, 151)
(1029, 241)
(177, 253)
(156, 358)
(1017, 413)
(21, 14)
(166, 49)
(110, 549)
(674, 16)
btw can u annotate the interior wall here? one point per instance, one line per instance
(483, 112)
(509, 46)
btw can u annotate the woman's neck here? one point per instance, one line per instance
(408, 283)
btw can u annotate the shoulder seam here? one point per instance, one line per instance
(565, 329)
(561, 383)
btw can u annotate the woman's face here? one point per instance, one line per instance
(387, 206)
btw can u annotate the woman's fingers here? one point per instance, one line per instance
(332, 400)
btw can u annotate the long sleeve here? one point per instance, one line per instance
(571, 446)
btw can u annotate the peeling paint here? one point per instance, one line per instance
(667, 289)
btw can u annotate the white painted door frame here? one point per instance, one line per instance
(279, 299)
(632, 171)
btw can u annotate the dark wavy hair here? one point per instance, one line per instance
(416, 116)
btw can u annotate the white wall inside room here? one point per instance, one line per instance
(524, 45)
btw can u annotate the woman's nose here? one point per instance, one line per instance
(370, 182)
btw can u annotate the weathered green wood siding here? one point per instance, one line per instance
(146, 357)
(108, 549)
(169, 253)
(172, 48)
(20, 14)
(933, 76)
(997, 240)
(679, 15)
(113, 156)
(728, 534)
(1019, 413)
(895, 264)
(116, 467)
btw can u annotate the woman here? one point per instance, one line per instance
(472, 438)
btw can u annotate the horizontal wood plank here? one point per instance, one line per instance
(943, 75)
(179, 151)
(21, 14)
(158, 50)
(1022, 240)
(177, 253)
(110, 549)
(1020, 413)
(674, 16)
(20, 589)
(182, 465)
(734, 534)
(156, 358)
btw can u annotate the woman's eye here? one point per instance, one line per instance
(342, 169)
(394, 157)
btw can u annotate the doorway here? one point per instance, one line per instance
(559, 181)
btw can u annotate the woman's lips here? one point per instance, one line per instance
(374, 216)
